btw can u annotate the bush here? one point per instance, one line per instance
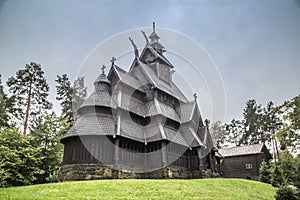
(276, 176)
(286, 193)
(19, 160)
(264, 173)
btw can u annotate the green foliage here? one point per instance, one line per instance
(3, 107)
(286, 171)
(79, 94)
(289, 135)
(257, 126)
(234, 132)
(276, 176)
(218, 134)
(217, 188)
(64, 92)
(47, 131)
(252, 120)
(297, 175)
(265, 173)
(3, 112)
(70, 96)
(20, 161)
(19, 86)
(286, 193)
(288, 166)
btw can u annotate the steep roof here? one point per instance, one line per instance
(92, 124)
(242, 150)
(171, 88)
(157, 55)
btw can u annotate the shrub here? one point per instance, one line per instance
(264, 173)
(286, 193)
(276, 176)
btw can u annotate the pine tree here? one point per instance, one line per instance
(3, 107)
(289, 134)
(252, 122)
(29, 91)
(217, 133)
(264, 173)
(79, 94)
(70, 96)
(64, 92)
(276, 176)
(234, 132)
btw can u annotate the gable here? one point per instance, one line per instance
(113, 76)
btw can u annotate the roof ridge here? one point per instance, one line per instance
(243, 146)
(121, 69)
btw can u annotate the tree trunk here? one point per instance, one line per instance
(27, 110)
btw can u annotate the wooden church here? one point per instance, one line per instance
(138, 124)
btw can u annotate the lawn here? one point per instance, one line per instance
(218, 188)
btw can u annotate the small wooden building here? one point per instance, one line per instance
(243, 161)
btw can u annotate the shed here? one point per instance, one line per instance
(244, 161)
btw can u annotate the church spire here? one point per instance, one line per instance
(154, 37)
(154, 41)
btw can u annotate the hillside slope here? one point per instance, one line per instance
(144, 189)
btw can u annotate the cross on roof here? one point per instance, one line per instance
(195, 97)
(113, 59)
(153, 26)
(103, 68)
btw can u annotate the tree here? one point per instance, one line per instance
(29, 92)
(270, 124)
(19, 164)
(79, 94)
(234, 132)
(64, 92)
(47, 131)
(289, 134)
(252, 123)
(264, 173)
(218, 133)
(3, 112)
(3, 107)
(70, 96)
(276, 175)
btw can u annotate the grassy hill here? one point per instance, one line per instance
(144, 189)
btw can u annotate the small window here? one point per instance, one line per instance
(248, 166)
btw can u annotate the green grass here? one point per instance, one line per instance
(144, 189)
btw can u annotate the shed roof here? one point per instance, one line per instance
(242, 150)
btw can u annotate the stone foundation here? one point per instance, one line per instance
(97, 171)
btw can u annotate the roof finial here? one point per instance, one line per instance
(103, 68)
(153, 26)
(136, 52)
(207, 123)
(195, 97)
(144, 34)
(113, 59)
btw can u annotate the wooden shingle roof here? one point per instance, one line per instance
(117, 91)
(242, 150)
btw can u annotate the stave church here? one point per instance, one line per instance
(138, 124)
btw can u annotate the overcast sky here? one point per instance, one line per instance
(255, 44)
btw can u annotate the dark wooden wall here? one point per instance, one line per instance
(235, 167)
(75, 150)
(130, 153)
